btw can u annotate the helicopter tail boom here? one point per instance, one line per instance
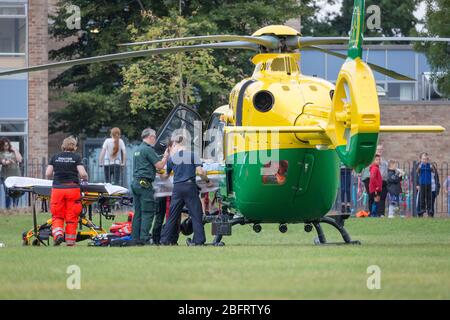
(280, 129)
(411, 129)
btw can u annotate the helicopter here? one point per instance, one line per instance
(312, 125)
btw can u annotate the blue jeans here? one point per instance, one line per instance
(8, 199)
(113, 174)
(346, 185)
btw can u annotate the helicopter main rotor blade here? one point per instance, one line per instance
(134, 54)
(390, 73)
(266, 41)
(315, 41)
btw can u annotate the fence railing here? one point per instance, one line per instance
(35, 168)
(122, 175)
(409, 198)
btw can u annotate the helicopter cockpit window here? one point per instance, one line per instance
(182, 120)
(278, 65)
(275, 172)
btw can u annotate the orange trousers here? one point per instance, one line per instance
(65, 205)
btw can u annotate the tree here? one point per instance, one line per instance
(92, 92)
(397, 17)
(437, 24)
(158, 83)
(98, 89)
(242, 17)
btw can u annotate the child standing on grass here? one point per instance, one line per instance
(394, 179)
(424, 171)
(375, 185)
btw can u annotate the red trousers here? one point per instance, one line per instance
(65, 205)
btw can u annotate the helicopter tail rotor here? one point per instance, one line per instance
(354, 122)
(355, 117)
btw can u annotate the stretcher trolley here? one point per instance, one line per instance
(104, 196)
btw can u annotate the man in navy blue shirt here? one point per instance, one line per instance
(185, 166)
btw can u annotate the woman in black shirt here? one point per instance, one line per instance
(65, 204)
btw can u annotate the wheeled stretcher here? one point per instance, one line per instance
(104, 195)
(163, 188)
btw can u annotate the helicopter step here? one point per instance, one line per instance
(340, 218)
(321, 239)
(222, 226)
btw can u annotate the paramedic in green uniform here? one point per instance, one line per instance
(146, 162)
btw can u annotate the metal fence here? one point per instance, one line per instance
(409, 198)
(359, 197)
(35, 168)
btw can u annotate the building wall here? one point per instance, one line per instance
(407, 147)
(38, 81)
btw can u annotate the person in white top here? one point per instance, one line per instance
(113, 157)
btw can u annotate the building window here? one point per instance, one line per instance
(16, 132)
(13, 35)
(14, 89)
(9, 127)
(401, 91)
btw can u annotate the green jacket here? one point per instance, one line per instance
(144, 160)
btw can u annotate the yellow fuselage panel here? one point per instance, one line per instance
(298, 101)
(278, 30)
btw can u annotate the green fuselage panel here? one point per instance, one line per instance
(306, 193)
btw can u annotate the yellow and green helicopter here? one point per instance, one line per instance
(311, 124)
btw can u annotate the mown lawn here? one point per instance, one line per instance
(413, 255)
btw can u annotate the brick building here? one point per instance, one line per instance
(407, 147)
(25, 102)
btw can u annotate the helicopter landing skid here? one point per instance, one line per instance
(321, 239)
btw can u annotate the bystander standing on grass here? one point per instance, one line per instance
(375, 186)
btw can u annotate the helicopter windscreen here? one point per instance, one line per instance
(181, 120)
(213, 139)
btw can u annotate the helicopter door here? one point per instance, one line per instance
(213, 139)
(306, 170)
(180, 118)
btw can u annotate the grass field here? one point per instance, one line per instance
(414, 257)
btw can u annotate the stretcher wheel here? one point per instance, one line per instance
(308, 227)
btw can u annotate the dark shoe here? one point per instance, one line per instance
(190, 243)
(343, 208)
(149, 242)
(349, 209)
(58, 241)
(168, 244)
